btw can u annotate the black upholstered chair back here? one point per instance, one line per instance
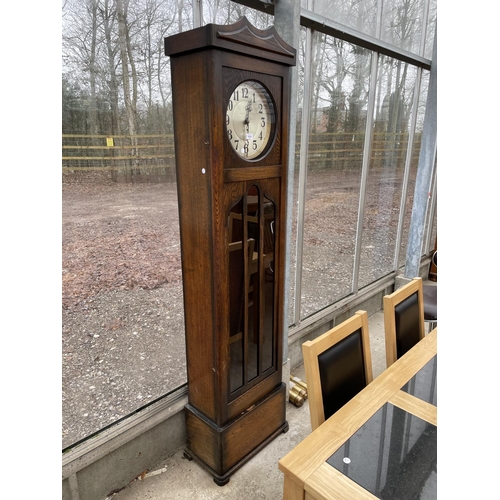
(407, 315)
(403, 319)
(342, 372)
(338, 366)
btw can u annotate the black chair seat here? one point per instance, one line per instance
(430, 303)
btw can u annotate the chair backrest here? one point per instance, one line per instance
(430, 303)
(338, 365)
(403, 319)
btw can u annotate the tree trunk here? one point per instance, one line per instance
(113, 80)
(129, 104)
(93, 70)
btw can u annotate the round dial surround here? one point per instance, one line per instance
(250, 119)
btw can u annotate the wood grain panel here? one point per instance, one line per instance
(248, 431)
(194, 175)
(251, 173)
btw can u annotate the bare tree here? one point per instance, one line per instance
(123, 37)
(109, 16)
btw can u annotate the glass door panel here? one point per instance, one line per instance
(252, 328)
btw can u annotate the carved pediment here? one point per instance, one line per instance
(244, 33)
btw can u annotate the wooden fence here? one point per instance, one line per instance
(345, 150)
(124, 158)
(151, 158)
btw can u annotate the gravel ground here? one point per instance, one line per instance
(122, 316)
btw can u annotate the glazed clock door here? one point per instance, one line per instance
(251, 229)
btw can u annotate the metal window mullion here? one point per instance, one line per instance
(304, 152)
(380, 10)
(406, 178)
(197, 13)
(432, 210)
(364, 171)
(425, 25)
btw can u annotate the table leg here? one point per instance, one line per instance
(292, 491)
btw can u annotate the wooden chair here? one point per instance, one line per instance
(338, 365)
(403, 319)
(430, 306)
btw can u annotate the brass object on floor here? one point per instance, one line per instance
(296, 395)
(299, 382)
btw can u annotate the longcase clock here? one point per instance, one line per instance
(231, 92)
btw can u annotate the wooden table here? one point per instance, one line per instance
(308, 475)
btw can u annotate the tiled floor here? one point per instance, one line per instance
(259, 478)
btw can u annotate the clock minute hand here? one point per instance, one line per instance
(247, 115)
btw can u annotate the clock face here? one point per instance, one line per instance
(250, 120)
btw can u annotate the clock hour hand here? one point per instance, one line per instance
(247, 116)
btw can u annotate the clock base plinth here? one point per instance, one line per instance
(223, 450)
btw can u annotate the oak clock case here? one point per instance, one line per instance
(230, 93)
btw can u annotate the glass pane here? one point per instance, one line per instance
(402, 23)
(358, 14)
(338, 118)
(423, 384)
(268, 341)
(251, 288)
(292, 242)
(393, 455)
(227, 12)
(122, 306)
(237, 299)
(392, 115)
(430, 219)
(253, 221)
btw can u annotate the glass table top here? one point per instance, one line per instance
(393, 455)
(423, 384)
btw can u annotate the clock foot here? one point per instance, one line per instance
(285, 429)
(221, 482)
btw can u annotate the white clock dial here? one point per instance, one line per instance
(250, 119)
